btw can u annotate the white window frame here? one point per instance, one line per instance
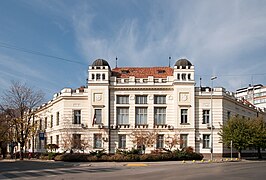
(122, 114)
(122, 99)
(159, 115)
(122, 141)
(141, 115)
(206, 141)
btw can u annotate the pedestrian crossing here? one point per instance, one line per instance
(48, 173)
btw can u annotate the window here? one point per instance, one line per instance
(184, 116)
(183, 76)
(160, 141)
(206, 116)
(122, 115)
(76, 141)
(57, 118)
(178, 76)
(45, 123)
(98, 76)
(122, 141)
(189, 76)
(57, 140)
(228, 115)
(97, 116)
(103, 76)
(121, 99)
(141, 116)
(141, 99)
(159, 115)
(77, 117)
(51, 124)
(183, 140)
(160, 99)
(206, 141)
(40, 125)
(51, 139)
(92, 76)
(97, 141)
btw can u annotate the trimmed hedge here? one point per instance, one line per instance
(169, 156)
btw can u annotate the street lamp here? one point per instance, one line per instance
(212, 78)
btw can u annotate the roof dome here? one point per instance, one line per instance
(100, 62)
(183, 63)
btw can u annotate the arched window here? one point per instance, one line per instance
(189, 76)
(183, 76)
(98, 76)
(92, 76)
(103, 76)
(178, 76)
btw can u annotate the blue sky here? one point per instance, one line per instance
(226, 38)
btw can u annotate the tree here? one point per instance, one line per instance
(258, 138)
(172, 141)
(18, 102)
(238, 131)
(144, 138)
(4, 133)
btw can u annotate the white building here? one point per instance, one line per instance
(254, 94)
(120, 101)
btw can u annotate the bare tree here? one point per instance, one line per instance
(18, 102)
(144, 138)
(172, 141)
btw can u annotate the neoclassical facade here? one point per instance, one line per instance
(120, 102)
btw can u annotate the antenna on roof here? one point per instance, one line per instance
(169, 61)
(116, 61)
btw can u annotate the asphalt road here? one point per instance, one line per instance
(119, 171)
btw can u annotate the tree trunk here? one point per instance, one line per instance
(21, 151)
(259, 153)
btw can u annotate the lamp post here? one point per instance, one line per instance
(212, 78)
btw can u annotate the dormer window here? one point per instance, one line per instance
(161, 71)
(124, 71)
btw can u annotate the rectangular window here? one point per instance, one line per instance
(97, 141)
(183, 140)
(76, 141)
(45, 123)
(77, 117)
(57, 140)
(122, 115)
(97, 116)
(206, 116)
(160, 141)
(51, 139)
(141, 99)
(121, 99)
(45, 141)
(184, 116)
(160, 99)
(141, 116)
(122, 141)
(228, 115)
(51, 124)
(206, 141)
(40, 125)
(57, 118)
(159, 115)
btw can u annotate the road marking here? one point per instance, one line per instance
(137, 165)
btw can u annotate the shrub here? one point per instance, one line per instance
(75, 157)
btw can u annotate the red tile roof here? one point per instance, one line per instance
(143, 72)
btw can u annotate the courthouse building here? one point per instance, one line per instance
(120, 101)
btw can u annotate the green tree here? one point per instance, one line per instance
(238, 131)
(18, 103)
(258, 138)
